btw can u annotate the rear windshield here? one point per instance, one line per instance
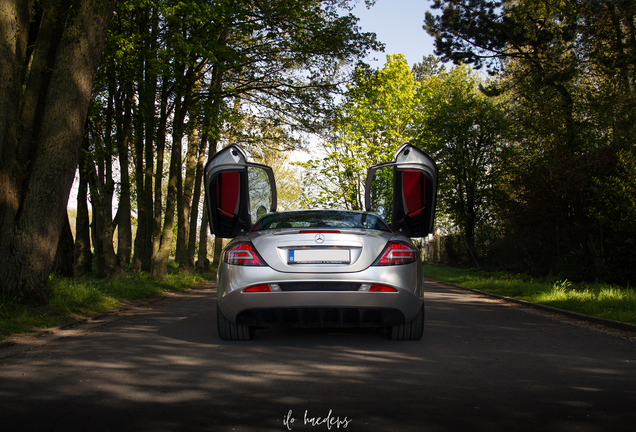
(320, 219)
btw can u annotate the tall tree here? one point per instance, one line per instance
(467, 134)
(49, 54)
(567, 69)
(536, 35)
(102, 188)
(148, 69)
(377, 117)
(180, 65)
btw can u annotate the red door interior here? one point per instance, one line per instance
(227, 193)
(414, 189)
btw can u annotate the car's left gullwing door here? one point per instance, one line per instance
(237, 192)
(404, 192)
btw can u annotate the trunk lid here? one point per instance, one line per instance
(316, 251)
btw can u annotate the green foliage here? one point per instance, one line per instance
(17, 318)
(442, 112)
(466, 133)
(568, 85)
(74, 298)
(379, 114)
(615, 211)
(601, 300)
(430, 66)
(288, 178)
(218, 72)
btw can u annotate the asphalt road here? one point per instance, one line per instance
(482, 365)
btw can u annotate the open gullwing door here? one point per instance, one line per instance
(237, 192)
(404, 192)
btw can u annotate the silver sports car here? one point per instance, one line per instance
(320, 268)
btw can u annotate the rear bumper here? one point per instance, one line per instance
(320, 317)
(320, 308)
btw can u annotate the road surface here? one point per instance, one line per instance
(482, 365)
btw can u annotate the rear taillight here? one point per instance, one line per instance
(381, 288)
(258, 288)
(263, 288)
(242, 254)
(376, 288)
(397, 253)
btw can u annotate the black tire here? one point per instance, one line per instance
(412, 330)
(231, 331)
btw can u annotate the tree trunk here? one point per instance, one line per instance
(145, 141)
(183, 234)
(63, 262)
(218, 249)
(37, 168)
(124, 228)
(196, 197)
(103, 229)
(102, 186)
(571, 132)
(159, 268)
(161, 145)
(142, 223)
(146, 254)
(97, 246)
(82, 254)
(203, 263)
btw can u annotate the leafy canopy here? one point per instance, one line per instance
(379, 114)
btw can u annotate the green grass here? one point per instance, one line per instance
(596, 299)
(75, 298)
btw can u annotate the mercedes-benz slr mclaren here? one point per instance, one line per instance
(321, 268)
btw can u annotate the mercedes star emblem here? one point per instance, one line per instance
(319, 238)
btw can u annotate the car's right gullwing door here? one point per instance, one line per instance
(404, 192)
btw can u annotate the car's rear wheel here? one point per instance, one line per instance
(232, 331)
(412, 330)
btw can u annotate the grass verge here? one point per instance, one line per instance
(76, 298)
(600, 300)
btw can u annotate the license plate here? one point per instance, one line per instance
(319, 256)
